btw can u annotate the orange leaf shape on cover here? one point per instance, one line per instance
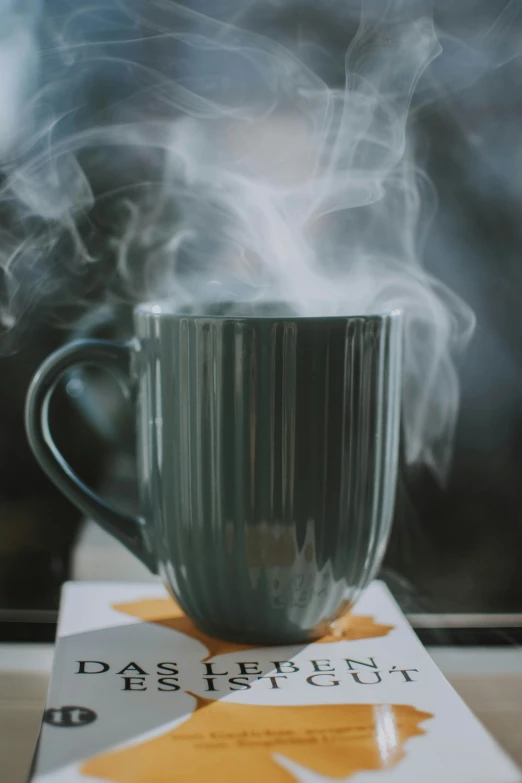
(234, 743)
(167, 613)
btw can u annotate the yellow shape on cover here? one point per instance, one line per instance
(167, 613)
(233, 743)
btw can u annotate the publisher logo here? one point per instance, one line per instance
(69, 717)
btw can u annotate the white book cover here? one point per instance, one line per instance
(139, 695)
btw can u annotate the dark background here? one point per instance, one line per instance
(455, 548)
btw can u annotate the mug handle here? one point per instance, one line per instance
(128, 529)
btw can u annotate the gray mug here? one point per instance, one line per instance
(267, 459)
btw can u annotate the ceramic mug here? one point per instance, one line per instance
(267, 452)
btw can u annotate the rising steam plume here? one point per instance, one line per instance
(151, 151)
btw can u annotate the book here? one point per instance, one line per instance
(139, 695)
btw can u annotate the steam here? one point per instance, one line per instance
(166, 154)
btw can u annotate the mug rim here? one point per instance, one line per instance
(153, 309)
